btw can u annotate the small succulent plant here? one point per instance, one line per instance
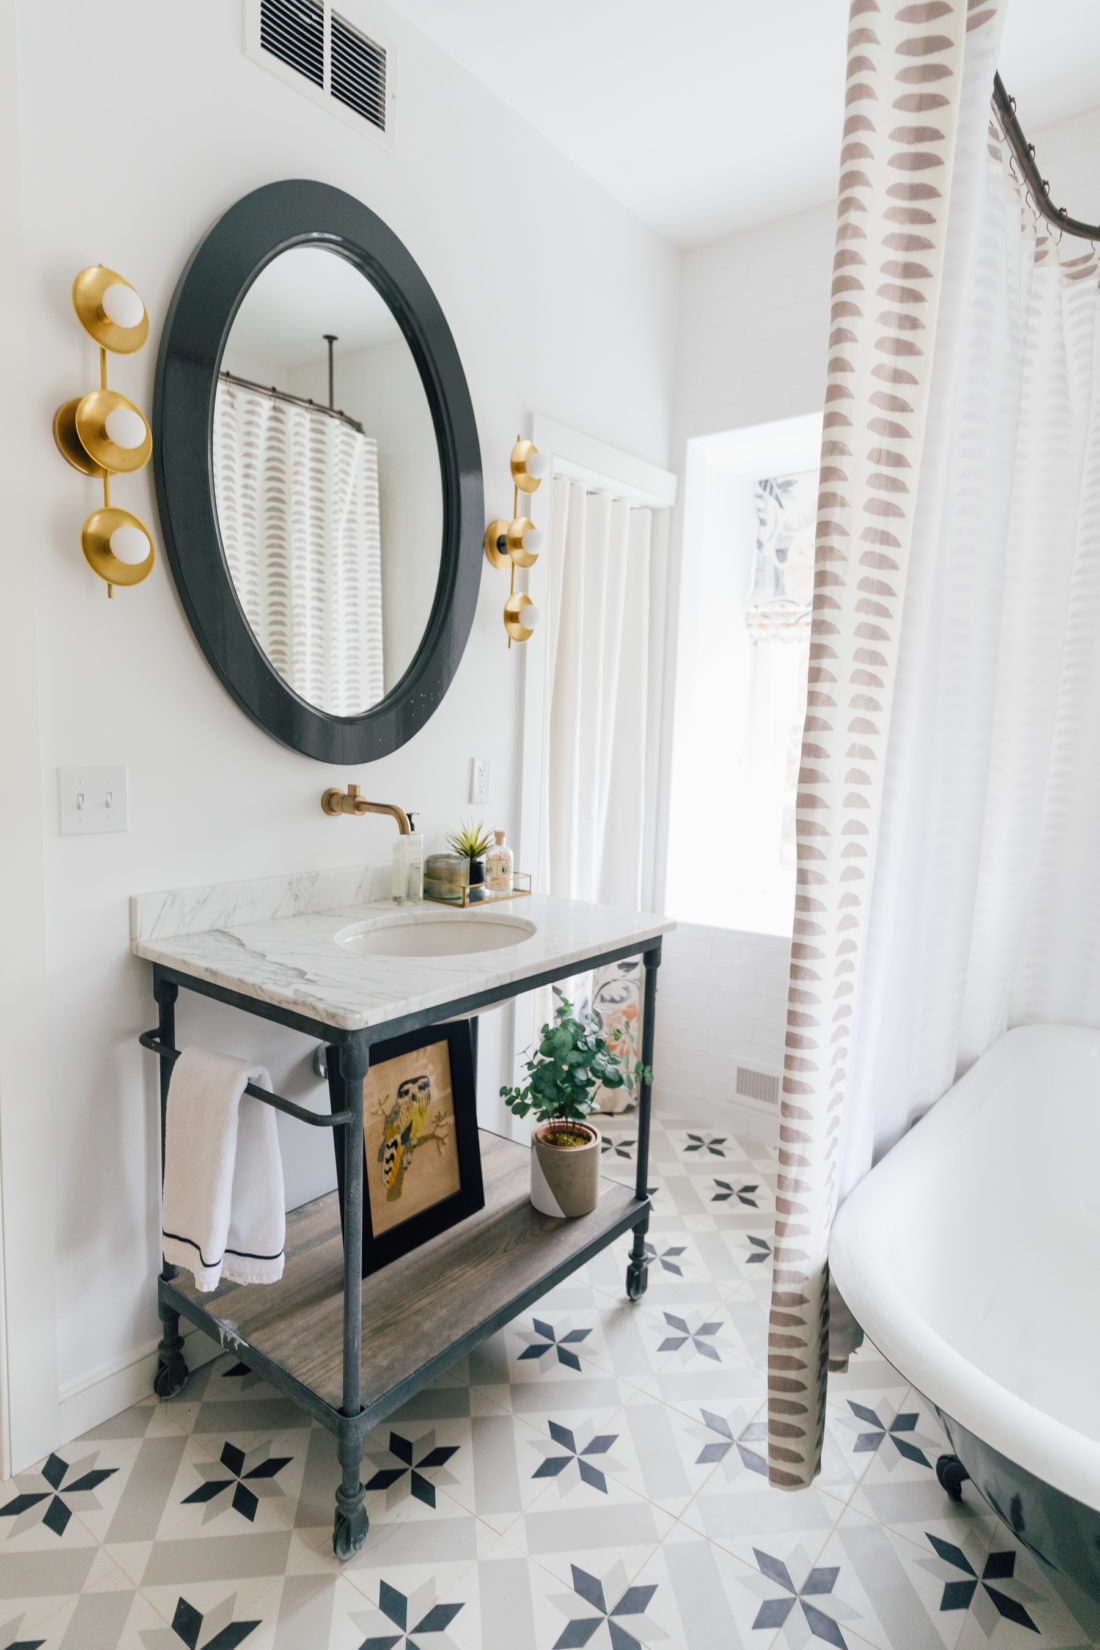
(472, 840)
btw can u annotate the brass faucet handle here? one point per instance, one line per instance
(337, 802)
(352, 801)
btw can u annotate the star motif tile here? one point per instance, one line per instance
(594, 1473)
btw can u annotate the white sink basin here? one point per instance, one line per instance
(438, 935)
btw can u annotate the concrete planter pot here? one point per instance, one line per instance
(565, 1180)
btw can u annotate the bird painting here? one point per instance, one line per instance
(403, 1131)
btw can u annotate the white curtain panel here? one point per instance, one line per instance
(941, 568)
(594, 789)
(297, 497)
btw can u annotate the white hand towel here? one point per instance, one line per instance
(223, 1213)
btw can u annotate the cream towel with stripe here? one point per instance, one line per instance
(223, 1213)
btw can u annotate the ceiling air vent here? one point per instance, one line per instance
(358, 72)
(323, 54)
(294, 32)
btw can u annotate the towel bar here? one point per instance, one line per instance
(316, 1120)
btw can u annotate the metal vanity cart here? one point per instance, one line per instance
(305, 1334)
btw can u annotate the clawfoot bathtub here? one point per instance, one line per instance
(970, 1256)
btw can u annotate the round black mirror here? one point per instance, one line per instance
(318, 473)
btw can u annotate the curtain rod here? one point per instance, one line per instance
(1036, 183)
(295, 400)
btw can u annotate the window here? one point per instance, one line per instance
(742, 658)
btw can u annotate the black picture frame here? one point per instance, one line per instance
(243, 241)
(381, 1248)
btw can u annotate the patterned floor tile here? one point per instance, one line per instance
(703, 1597)
(225, 1396)
(741, 1512)
(676, 1456)
(432, 1614)
(1016, 1602)
(292, 1612)
(556, 1536)
(594, 1474)
(102, 1609)
(895, 1589)
(219, 1515)
(600, 1605)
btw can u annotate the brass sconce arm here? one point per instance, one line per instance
(336, 802)
(517, 543)
(102, 434)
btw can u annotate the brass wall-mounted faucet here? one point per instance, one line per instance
(337, 802)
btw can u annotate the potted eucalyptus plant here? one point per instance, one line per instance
(472, 842)
(572, 1061)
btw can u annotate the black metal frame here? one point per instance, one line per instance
(223, 266)
(353, 1421)
(384, 1247)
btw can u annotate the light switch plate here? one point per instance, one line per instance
(91, 800)
(479, 779)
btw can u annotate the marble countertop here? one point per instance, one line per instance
(285, 952)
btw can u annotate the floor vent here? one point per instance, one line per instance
(324, 55)
(758, 1085)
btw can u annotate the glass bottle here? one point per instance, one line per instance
(498, 866)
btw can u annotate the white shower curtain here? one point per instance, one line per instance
(594, 789)
(948, 883)
(297, 497)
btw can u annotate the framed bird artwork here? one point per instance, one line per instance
(422, 1169)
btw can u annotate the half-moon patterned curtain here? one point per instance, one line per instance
(919, 81)
(297, 497)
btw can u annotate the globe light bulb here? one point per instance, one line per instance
(530, 616)
(129, 543)
(121, 304)
(125, 427)
(536, 465)
(534, 540)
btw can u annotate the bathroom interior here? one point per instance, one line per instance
(636, 469)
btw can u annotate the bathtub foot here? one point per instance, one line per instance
(952, 1475)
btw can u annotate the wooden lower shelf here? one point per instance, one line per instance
(427, 1308)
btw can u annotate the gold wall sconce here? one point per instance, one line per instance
(103, 434)
(518, 543)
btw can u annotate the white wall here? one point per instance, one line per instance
(753, 330)
(584, 331)
(723, 1004)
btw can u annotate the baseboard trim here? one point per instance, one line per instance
(736, 1116)
(96, 1398)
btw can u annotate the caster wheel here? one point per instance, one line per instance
(952, 1475)
(170, 1378)
(637, 1280)
(349, 1533)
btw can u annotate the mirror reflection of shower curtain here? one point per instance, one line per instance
(297, 494)
(595, 788)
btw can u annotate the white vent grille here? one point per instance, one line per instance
(758, 1085)
(329, 58)
(294, 32)
(358, 72)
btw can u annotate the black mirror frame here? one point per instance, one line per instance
(223, 266)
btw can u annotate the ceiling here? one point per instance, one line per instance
(708, 116)
(301, 295)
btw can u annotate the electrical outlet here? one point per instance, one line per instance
(91, 800)
(479, 779)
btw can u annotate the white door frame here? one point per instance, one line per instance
(28, 1111)
(605, 469)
